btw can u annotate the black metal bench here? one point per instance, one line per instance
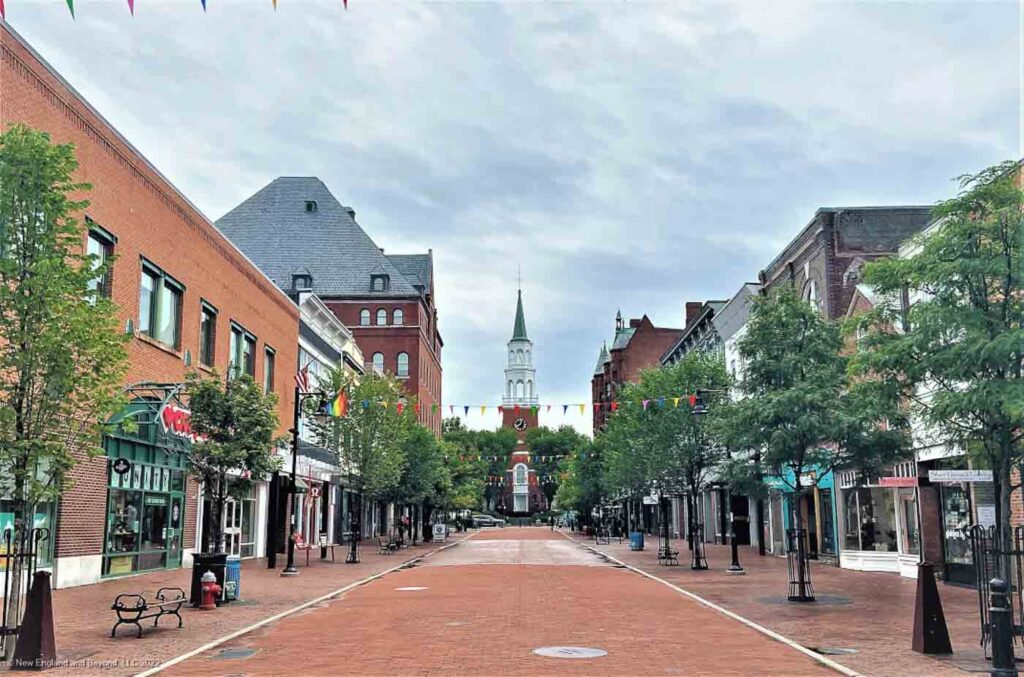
(132, 608)
(668, 556)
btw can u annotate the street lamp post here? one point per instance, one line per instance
(321, 416)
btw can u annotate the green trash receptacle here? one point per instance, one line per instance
(233, 578)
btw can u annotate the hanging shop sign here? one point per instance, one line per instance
(897, 481)
(947, 476)
(122, 466)
(176, 421)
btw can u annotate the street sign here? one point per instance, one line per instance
(947, 476)
(121, 466)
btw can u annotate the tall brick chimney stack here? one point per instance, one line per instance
(692, 310)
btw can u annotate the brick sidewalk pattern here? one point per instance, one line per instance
(485, 619)
(83, 618)
(874, 613)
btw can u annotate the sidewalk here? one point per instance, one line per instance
(872, 613)
(83, 618)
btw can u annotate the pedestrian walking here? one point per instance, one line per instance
(551, 520)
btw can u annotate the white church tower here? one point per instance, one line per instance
(520, 376)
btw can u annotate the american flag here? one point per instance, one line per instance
(302, 379)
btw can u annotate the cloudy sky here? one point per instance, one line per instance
(626, 154)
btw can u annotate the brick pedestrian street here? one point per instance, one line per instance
(482, 607)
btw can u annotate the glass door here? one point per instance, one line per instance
(232, 527)
(174, 533)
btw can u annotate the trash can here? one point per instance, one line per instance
(636, 540)
(233, 578)
(201, 563)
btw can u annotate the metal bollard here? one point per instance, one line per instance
(1001, 620)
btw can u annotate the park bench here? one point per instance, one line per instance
(300, 545)
(324, 547)
(603, 537)
(668, 556)
(387, 546)
(132, 608)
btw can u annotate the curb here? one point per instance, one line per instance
(827, 662)
(284, 614)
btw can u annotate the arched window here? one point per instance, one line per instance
(511, 355)
(527, 355)
(382, 316)
(529, 388)
(364, 317)
(811, 294)
(378, 362)
(520, 388)
(397, 317)
(519, 356)
(520, 475)
(508, 391)
(403, 364)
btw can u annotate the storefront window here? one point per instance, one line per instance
(911, 531)
(869, 519)
(956, 516)
(44, 519)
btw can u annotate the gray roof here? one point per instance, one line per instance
(275, 231)
(734, 314)
(622, 337)
(602, 359)
(417, 268)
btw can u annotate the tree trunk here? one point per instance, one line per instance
(1004, 530)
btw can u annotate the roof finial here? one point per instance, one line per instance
(519, 277)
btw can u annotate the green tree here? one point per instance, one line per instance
(957, 351)
(62, 353)
(582, 482)
(664, 448)
(234, 422)
(800, 415)
(548, 448)
(368, 440)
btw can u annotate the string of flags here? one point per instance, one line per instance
(131, 7)
(339, 405)
(504, 457)
(499, 481)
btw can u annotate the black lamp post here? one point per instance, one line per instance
(321, 417)
(697, 560)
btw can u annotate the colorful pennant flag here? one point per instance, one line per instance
(465, 410)
(416, 407)
(693, 401)
(71, 8)
(366, 404)
(661, 401)
(615, 406)
(549, 408)
(565, 409)
(131, 7)
(583, 408)
(2, 15)
(451, 408)
(483, 410)
(204, 5)
(645, 403)
(399, 407)
(675, 402)
(433, 408)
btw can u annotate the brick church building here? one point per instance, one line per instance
(298, 233)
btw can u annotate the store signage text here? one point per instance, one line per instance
(897, 481)
(177, 421)
(121, 466)
(960, 475)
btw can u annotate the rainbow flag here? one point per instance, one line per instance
(339, 405)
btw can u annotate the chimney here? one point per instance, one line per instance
(634, 322)
(692, 310)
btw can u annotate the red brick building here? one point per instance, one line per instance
(294, 229)
(636, 347)
(189, 299)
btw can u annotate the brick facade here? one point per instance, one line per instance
(628, 355)
(150, 220)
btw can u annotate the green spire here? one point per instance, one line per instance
(519, 332)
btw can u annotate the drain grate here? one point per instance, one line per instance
(235, 654)
(570, 652)
(832, 650)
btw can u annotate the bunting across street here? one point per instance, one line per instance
(131, 7)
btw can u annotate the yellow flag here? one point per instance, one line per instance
(583, 408)
(384, 404)
(483, 410)
(675, 402)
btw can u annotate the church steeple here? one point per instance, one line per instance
(520, 376)
(519, 331)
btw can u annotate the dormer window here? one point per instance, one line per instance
(302, 281)
(310, 206)
(379, 282)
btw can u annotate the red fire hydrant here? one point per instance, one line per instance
(210, 590)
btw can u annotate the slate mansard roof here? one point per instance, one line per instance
(276, 230)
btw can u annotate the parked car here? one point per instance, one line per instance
(487, 521)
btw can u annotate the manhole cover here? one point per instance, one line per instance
(832, 650)
(410, 588)
(235, 654)
(570, 652)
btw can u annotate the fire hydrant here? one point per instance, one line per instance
(210, 591)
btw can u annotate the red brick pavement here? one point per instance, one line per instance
(877, 620)
(474, 619)
(83, 617)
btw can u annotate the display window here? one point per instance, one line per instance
(869, 519)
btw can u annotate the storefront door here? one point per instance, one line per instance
(232, 528)
(956, 519)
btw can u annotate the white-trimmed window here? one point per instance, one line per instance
(382, 316)
(403, 365)
(378, 362)
(364, 317)
(397, 317)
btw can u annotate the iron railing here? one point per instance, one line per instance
(993, 561)
(19, 560)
